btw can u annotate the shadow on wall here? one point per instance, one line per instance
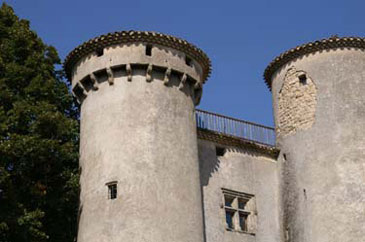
(209, 163)
(209, 159)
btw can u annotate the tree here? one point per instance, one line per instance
(38, 139)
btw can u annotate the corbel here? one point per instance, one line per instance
(166, 79)
(129, 72)
(110, 74)
(198, 90)
(183, 81)
(94, 81)
(149, 73)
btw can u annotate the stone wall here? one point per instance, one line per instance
(297, 102)
(239, 170)
(323, 166)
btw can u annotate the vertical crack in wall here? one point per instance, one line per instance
(297, 102)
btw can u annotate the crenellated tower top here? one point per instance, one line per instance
(130, 52)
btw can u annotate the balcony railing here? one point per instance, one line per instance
(235, 127)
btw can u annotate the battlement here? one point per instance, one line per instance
(129, 53)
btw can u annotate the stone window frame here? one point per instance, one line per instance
(238, 211)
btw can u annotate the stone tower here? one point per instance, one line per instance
(319, 106)
(138, 148)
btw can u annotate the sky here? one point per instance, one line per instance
(240, 37)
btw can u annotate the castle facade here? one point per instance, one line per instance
(154, 168)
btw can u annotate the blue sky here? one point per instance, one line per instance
(241, 37)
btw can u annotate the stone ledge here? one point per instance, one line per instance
(223, 139)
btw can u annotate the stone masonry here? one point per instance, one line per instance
(149, 175)
(297, 102)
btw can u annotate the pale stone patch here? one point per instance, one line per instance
(297, 103)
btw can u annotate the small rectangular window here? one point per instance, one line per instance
(220, 151)
(302, 79)
(100, 52)
(149, 50)
(188, 61)
(112, 191)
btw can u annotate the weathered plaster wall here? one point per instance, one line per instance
(323, 170)
(142, 135)
(244, 171)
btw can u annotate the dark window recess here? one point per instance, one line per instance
(243, 221)
(79, 92)
(242, 203)
(229, 219)
(228, 200)
(87, 83)
(112, 191)
(149, 50)
(220, 151)
(302, 79)
(188, 61)
(100, 52)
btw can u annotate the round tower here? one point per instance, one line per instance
(138, 145)
(318, 99)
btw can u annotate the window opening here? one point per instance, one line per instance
(229, 219)
(238, 207)
(220, 151)
(228, 200)
(302, 79)
(112, 191)
(149, 50)
(243, 221)
(188, 61)
(100, 52)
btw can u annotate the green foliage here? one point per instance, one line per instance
(38, 139)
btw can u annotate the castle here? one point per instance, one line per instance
(154, 169)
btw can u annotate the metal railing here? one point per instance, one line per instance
(235, 127)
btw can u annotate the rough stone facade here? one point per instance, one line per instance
(148, 173)
(297, 102)
(322, 167)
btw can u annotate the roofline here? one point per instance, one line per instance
(131, 36)
(333, 42)
(228, 140)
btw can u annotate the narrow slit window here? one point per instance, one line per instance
(188, 61)
(112, 191)
(100, 52)
(149, 50)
